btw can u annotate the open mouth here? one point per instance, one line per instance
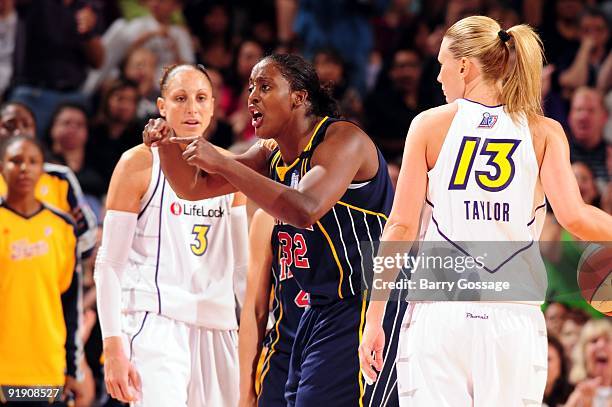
(256, 118)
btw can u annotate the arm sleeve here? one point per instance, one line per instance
(240, 246)
(117, 237)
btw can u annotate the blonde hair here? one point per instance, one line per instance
(592, 329)
(482, 38)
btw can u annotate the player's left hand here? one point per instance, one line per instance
(200, 153)
(371, 351)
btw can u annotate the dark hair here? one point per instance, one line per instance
(561, 387)
(163, 82)
(594, 11)
(59, 109)
(301, 75)
(4, 145)
(108, 90)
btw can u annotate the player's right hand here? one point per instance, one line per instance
(121, 378)
(157, 132)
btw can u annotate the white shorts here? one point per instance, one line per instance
(472, 354)
(181, 364)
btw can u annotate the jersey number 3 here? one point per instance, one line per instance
(500, 158)
(200, 244)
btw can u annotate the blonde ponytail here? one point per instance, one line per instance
(482, 38)
(521, 88)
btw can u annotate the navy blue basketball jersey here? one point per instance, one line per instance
(326, 258)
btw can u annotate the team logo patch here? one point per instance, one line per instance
(488, 120)
(176, 209)
(295, 180)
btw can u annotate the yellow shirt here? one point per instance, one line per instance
(37, 264)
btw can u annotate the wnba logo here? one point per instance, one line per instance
(176, 209)
(488, 121)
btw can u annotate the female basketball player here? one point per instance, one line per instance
(327, 185)
(488, 147)
(38, 278)
(164, 271)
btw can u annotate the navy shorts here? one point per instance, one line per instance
(324, 368)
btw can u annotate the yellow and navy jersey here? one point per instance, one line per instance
(326, 258)
(59, 188)
(39, 300)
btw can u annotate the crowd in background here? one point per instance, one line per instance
(81, 75)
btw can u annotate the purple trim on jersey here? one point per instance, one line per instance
(492, 155)
(152, 195)
(429, 203)
(481, 104)
(136, 334)
(467, 254)
(452, 184)
(534, 212)
(161, 210)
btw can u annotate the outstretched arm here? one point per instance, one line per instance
(584, 221)
(254, 316)
(188, 181)
(318, 190)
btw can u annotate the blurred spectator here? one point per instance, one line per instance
(219, 132)
(56, 42)
(592, 367)
(234, 98)
(570, 332)
(586, 183)
(557, 388)
(560, 30)
(170, 43)
(331, 70)
(587, 119)
(555, 316)
(210, 22)
(68, 135)
(580, 67)
(8, 32)
(115, 128)
(390, 28)
(343, 25)
(140, 67)
(394, 102)
(57, 186)
(16, 119)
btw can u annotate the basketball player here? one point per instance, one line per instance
(489, 144)
(39, 344)
(327, 186)
(165, 270)
(58, 186)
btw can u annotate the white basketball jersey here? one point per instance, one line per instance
(485, 187)
(181, 262)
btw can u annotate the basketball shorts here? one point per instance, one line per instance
(324, 368)
(472, 354)
(181, 364)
